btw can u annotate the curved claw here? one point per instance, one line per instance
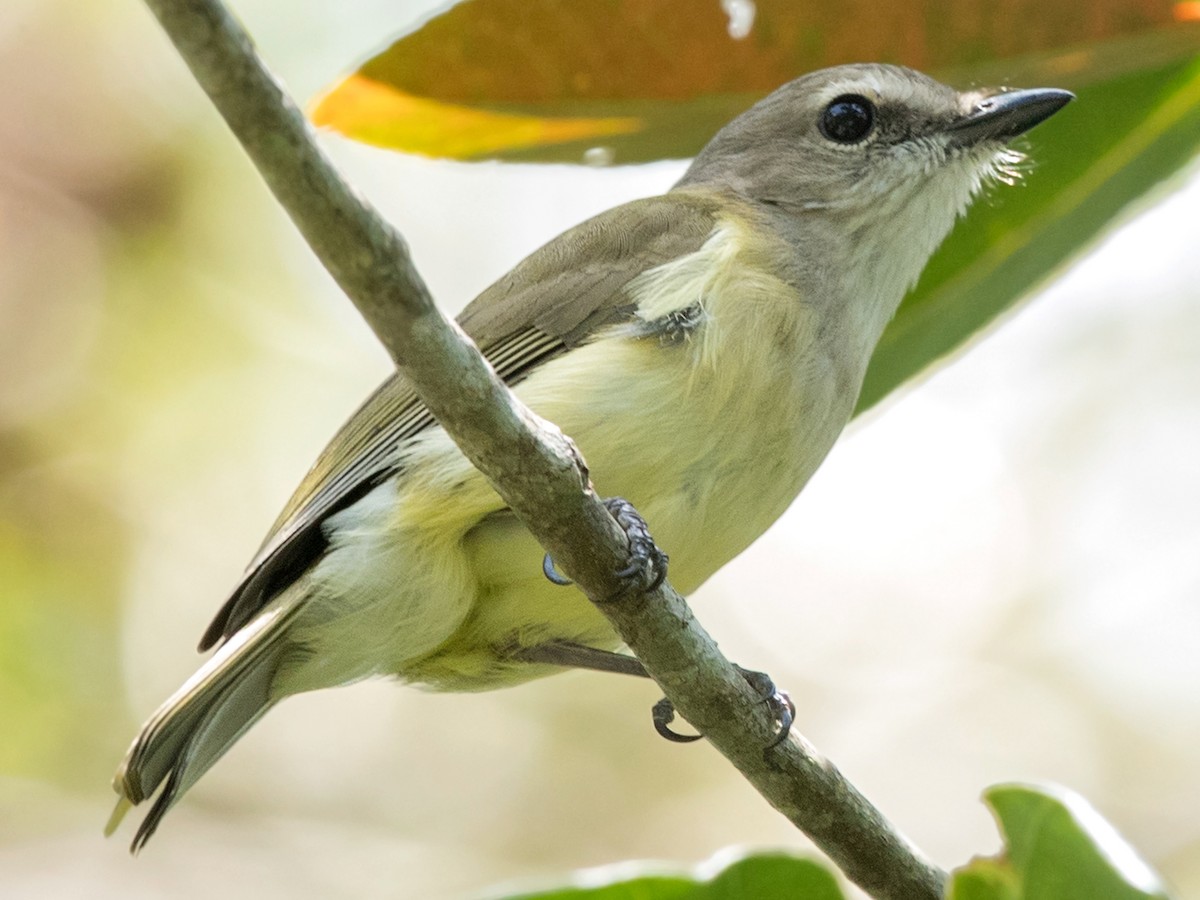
(778, 702)
(663, 715)
(630, 570)
(785, 714)
(552, 574)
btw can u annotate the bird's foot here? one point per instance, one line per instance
(647, 567)
(780, 705)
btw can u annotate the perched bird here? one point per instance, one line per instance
(703, 348)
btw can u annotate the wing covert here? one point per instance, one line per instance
(553, 300)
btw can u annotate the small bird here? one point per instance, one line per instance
(703, 348)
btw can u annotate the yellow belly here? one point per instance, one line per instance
(709, 465)
(710, 435)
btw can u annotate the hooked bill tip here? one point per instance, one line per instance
(1006, 115)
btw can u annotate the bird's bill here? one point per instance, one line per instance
(1003, 116)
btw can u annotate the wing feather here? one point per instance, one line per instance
(553, 300)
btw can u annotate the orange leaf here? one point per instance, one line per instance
(379, 114)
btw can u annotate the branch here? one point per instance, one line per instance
(529, 462)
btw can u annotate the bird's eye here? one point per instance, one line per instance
(848, 119)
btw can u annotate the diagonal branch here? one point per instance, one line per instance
(529, 462)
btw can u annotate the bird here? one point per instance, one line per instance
(703, 348)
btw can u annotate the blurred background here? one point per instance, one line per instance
(993, 578)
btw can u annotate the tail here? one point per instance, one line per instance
(203, 719)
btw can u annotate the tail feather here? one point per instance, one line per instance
(226, 720)
(203, 719)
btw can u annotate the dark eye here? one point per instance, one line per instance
(848, 119)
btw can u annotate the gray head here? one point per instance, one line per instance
(869, 151)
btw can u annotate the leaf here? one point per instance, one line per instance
(545, 80)
(985, 879)
(377, 114)
(771, 876)
(1057, 848)
(765, 876)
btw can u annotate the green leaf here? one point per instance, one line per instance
(1057, 848)
(765, 876)
(545, 80)
(771, 876)
(985, 879)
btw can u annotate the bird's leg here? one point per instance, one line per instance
(579, 656)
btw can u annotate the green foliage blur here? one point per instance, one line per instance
(133, 292)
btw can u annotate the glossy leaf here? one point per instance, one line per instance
(1057, 847)
(767, 876)
(545, 80)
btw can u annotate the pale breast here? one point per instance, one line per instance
(711, 434)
